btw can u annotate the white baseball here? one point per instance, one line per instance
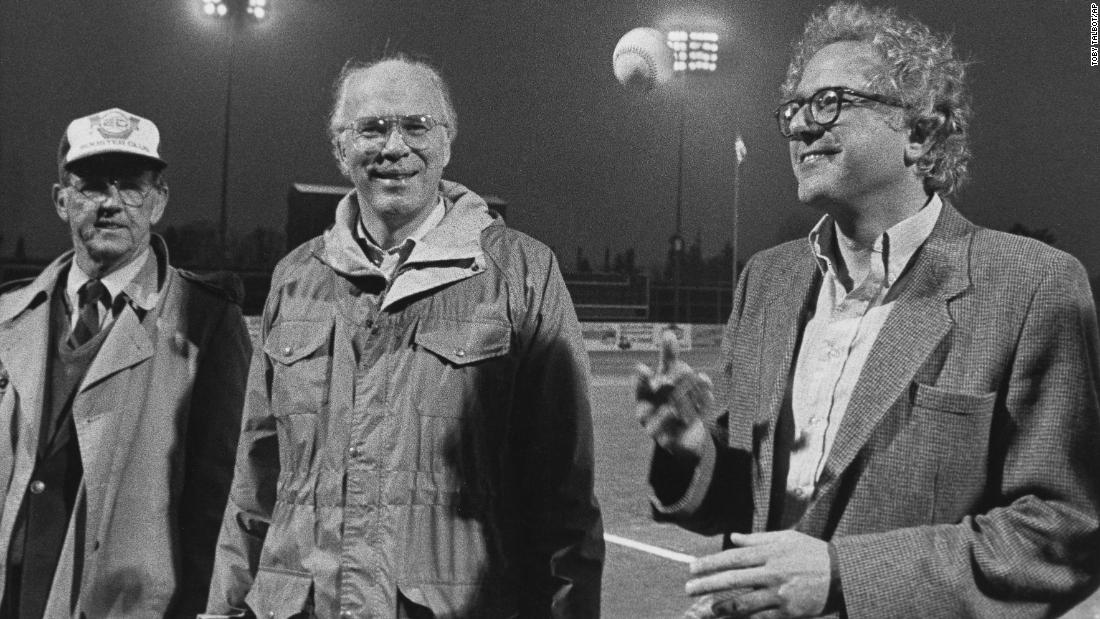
(642, 58)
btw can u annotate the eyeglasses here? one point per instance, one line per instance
(414, 128)
(825, 106)
(131, 190)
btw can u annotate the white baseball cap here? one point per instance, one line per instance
(111, 131)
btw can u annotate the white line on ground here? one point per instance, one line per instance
(653, 550)
(612, 381)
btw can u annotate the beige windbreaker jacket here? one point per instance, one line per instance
(448, 468)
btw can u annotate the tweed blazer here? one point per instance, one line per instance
(964, 480)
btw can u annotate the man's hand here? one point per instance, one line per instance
(672, 401)
(776, 574)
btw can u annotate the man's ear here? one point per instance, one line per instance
(161, 201)
(59, 202)
(926, 131)
(338, 154)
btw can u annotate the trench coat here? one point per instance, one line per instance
(157, 418)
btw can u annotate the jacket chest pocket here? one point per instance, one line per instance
(462, 379)
(955, 426)
(300, 353)
(461, 367)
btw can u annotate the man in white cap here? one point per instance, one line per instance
(121, 383)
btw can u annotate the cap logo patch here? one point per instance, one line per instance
(112, 131)
(114, 124)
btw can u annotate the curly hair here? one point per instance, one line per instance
(919, 67)
(336, 123)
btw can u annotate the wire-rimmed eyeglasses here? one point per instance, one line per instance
(131, 190)
(414, 129)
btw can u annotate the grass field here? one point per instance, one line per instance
(639, 585)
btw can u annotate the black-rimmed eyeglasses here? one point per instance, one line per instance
(414, 128)
(825, 106)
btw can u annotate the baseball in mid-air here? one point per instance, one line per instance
(642, 59)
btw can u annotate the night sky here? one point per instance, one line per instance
(543, 123)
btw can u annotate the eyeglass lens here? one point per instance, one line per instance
(824, 110)
(130, 190)
(414, 128)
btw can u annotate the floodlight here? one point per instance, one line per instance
(693, 51)
(257, 8)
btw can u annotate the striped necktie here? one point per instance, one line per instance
(91, 295)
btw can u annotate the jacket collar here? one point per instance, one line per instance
(142, 295)
(452, 249)
(24, 336)
(893, 248)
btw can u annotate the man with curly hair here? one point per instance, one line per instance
(907, 420)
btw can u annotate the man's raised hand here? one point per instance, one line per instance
(672, 402)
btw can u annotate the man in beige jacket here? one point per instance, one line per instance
(121, 383)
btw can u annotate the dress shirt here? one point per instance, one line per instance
(137, 280)
(838, 339)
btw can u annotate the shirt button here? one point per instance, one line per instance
(38, 487)
(801, 493)
(459, 352)
(287, 350)
(353, 451)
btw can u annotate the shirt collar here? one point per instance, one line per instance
(137, 279)
(373, 250)
(895, 247)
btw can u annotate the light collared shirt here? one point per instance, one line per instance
(838, 339)
(835, 344)
(137, 280)
(389, 260)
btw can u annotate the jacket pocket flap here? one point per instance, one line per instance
(279, 594)
(290, 341)
(461, 342)
(956, 402)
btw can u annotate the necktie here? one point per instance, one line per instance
(91, 294)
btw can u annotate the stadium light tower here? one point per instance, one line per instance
(256, 9)
(692, 52)
(235, 12)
